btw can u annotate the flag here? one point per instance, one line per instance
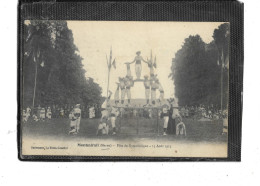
(114, 64)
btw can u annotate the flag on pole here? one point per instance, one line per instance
(114, 64)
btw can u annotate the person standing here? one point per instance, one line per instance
(122, 87)
(48, 114)
(128, 84)
(154, 86)
(161, 98)
(116, 95)
(113, 115)
(165, 115)
(77, 114)
(171, 128)
(147, 86)
(42, 114)
(105, 107)
(138, 64)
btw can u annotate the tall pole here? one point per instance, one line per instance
(221, 81)
(109, 63)
(108, 80)
(35, 83)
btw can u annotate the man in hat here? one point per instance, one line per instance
(116, 96)
(147, 85)
(138, 66)
(122, 87)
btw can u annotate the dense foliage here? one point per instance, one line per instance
(196, 70)
(53, 68)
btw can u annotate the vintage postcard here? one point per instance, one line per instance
(124, 88)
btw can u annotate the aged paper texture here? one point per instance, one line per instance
(125, 88)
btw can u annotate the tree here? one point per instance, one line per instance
(221, 38)
(61, 78)
(197, 73)
(194, 73)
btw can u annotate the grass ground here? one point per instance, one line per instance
(208, 131)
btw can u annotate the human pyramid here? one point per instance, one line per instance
(151, 84)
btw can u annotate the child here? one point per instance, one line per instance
(180, 127)
(103, 127)
(35, 118)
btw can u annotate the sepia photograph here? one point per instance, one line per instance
(124, 88)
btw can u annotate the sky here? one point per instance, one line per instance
(95, 38)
